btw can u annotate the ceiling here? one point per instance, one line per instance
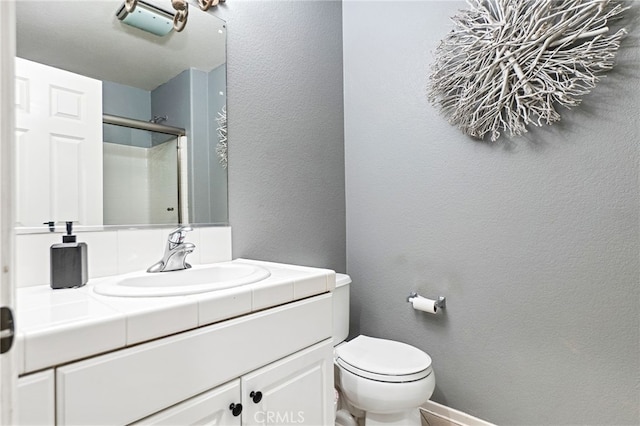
(85, 37)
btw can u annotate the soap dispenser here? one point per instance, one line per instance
(69, 262)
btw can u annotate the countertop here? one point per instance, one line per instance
(56, 327)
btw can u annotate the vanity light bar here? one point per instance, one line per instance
(147, 18)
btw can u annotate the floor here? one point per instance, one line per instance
(430, 419)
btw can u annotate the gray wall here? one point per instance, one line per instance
(286, 158)
(216, 85)
(535, 243)
(185, 101)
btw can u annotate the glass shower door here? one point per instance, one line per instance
(140, 177)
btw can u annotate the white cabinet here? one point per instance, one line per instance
(219, 406)
(36, 400)
(125, 386)
(296, 390)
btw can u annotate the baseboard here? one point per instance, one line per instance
(452, 415)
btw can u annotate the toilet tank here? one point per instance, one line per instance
(341, 308)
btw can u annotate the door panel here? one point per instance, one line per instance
(59, 146)
(36, 399)
(296, 390)
(209, 409)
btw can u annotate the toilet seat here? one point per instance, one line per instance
(383, 360)
(383, 377)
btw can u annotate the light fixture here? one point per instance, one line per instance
(206, 4)
(182, 11)
(150, 18)
(147, 17)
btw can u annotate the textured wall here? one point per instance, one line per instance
(286, 158)
(185, 101)
(535, 243)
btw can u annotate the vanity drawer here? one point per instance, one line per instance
(124, 386)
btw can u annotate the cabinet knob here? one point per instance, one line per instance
(236, 409)
(256, 396)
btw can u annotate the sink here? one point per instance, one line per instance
(198, 279)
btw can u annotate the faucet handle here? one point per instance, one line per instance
(177, 235)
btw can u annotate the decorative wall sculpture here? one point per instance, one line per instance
(221, 147)
(510, 63)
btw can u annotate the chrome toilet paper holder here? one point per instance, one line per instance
(440, 303)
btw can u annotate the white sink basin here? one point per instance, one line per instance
(199, 279)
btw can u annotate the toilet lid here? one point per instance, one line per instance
(383, 357)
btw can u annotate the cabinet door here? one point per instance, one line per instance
(36, 399)
(211, 408)
(297, 390)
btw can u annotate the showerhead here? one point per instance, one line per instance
(146, 17)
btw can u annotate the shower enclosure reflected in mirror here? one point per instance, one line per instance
(178, 80)
(141, 181)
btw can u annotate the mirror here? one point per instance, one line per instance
(178, 80)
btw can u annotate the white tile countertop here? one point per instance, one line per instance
(59, 326)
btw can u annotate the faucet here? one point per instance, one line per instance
(175, 252)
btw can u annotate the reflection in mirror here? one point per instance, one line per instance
(140, 177)
(177, 80)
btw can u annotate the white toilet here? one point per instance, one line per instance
(382, 380)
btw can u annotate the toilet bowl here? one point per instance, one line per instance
(382, 380)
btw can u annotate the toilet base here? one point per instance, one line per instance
(404, 418)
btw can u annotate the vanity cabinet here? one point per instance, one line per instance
(294, 390)
(284, 353)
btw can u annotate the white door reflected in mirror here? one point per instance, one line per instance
(58, 146)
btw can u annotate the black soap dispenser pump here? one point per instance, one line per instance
(69, 262)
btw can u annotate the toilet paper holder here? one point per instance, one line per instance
(440, 303)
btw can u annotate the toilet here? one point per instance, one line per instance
(381, 381)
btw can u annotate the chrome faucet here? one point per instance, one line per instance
(175, 252)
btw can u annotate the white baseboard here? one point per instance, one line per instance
(453, 415)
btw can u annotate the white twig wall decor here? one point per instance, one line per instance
(510, 63)
(221, 147)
